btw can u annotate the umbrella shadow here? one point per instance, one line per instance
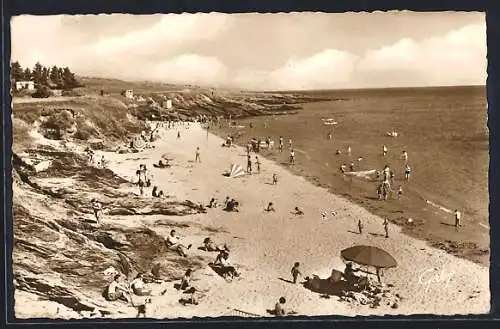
(447, 224)
(326, 287)
(353, 232)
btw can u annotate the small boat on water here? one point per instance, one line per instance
(329, 121)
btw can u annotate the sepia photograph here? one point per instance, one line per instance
(179, 166)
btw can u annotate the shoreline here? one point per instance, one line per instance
(409, 251)
(471, 243)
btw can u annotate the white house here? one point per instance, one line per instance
(129, 93)
(28, 85)
(167, 104)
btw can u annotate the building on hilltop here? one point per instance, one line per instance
(28, 85)
(129, 93)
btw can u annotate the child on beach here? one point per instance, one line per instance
(275, 179)
(292, 157)
(257, 162)
(281, 144)
(384, 150)
(295, 271)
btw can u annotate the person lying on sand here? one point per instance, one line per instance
(161, 164)
(139, 286)
(173, 243)
(297, 211)
(270, 207)
(228, 270)
(209, 245)
(116, 290)
(226, 201)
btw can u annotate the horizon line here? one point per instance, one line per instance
(189, 85)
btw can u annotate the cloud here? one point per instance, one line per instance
(191, 68)
(326, 69)
(458, 57)
(173, 28)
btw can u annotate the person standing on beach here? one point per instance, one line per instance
(197, 156)
(257, 162)
(386, 227)
(295, 271)
(292, 157)
(349, 150)
(330, 136)
(360, 226)
(178, 134)
(458, 219)
(400, 192)
(249, 165)
(281, 144)
(290, 143)
(407, 173)
(384, 150)
(275, 179)
(404, 156)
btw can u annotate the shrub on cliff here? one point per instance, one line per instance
(57, 124)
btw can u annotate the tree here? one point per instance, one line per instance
(69, 79)
(45, 76)
(27, 74)
(16, 71)
(55, 77)
(38, 74)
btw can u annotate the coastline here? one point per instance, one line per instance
(259, 246)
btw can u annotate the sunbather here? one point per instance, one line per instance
(228, 270)
(212, 203)
(270, 207)
(139, 286)
(298, 211)
(116, 290)
(173, 243)
(232, 205)
(209, 245)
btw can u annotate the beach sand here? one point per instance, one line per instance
(265, 245)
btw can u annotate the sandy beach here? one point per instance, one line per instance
(265, 245)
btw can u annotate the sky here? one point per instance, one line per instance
(289, 51)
